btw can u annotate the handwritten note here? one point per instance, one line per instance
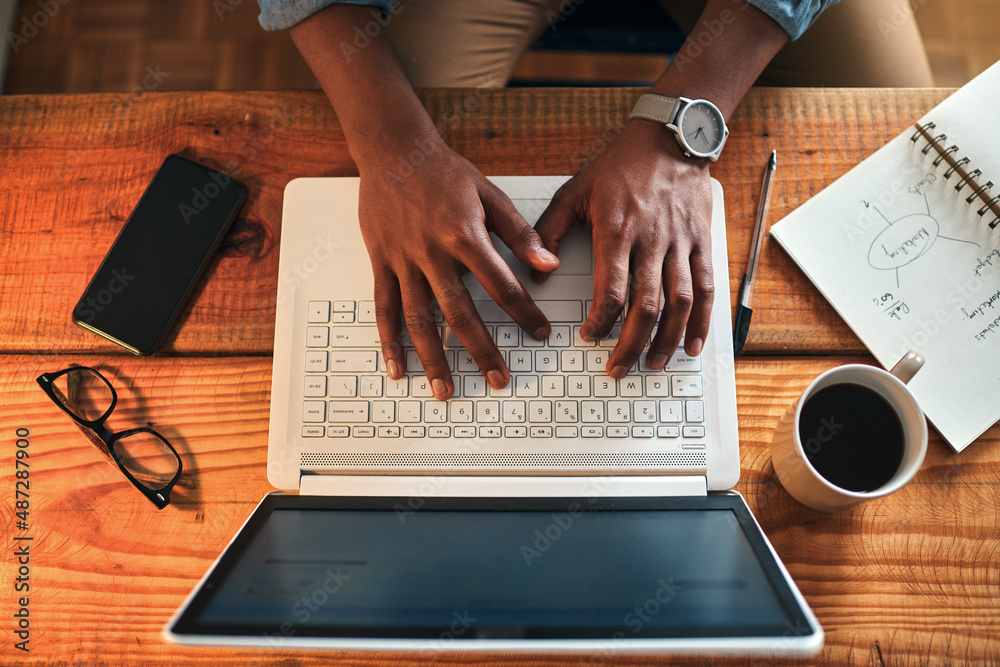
(902, 255)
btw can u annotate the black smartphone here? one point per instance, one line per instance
(159, 254)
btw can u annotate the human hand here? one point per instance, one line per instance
(423, 232)
(649, 210)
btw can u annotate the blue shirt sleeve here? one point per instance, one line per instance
(283, 14)
(792, 15)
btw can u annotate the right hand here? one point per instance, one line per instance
(423, 232)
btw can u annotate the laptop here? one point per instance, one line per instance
(566, 512)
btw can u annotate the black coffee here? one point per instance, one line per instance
(852, 436)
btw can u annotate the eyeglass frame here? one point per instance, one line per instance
(159, 497)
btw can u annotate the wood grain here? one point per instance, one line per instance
(72, 168)
(910, 579)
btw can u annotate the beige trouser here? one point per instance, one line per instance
(476, 43)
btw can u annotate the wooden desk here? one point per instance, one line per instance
(910, 579)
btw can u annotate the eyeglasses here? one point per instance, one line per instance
(143, 455)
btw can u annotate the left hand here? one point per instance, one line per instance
(649, 209)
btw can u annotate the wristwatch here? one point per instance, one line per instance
(698, 125)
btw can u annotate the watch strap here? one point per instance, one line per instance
(657, 108)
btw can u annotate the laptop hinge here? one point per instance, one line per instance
(479, 486)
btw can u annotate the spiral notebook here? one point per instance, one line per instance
(906, 247)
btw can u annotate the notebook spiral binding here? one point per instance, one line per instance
(957, 167)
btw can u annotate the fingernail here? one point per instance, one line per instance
(393, 368)
(541, 333)
(547, 256)
(618, 372)
(440, 389)
(656, 361)
(495, 378)
(694, 347)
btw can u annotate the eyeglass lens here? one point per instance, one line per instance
(148, 458)
(84, 393)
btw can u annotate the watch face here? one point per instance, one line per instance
(702, 127)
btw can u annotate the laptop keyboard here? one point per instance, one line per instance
(559, 388)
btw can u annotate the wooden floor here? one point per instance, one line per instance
(136, 45)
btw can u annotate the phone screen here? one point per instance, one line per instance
(164, 246)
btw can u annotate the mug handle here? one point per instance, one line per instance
(908, 366)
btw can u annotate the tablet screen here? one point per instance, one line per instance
(466, 569)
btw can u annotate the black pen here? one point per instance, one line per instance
(743, 309)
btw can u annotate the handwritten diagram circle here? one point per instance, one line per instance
(903, 242)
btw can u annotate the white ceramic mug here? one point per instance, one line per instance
(793, 468)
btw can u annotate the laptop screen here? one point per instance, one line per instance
(467, 569)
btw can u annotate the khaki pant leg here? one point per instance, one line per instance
(466, 43)
(853, 43)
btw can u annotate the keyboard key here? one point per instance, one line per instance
(515, 431)
(314, 412)
(466, 364)
(611, 339)
(371, 386)
(605, 387)
(579, 386)
(363, 431)
(439, 431)
(465, 431)
(695, 411)
(539, 411)
(338, 431)
(355, 337)
(514, 412)
(318, 312)
(388, 431)
(540, 431)
(409, 412)
(461, 412)
(488, 412)
(366, 312)
(567, 432)
(642, 431)
(644, 412)
(312, 431)
(490, 431)
(315, 386)
(546, 361)
(556, 311)
(351, 361)
(413, 363)
(618, 431)
(503, 392)
(630, 387)
(383, 412)
(414, 431)
(686, 385)
(315, 361)
(420, 387)
(597, 360)
(343, 318)
(683, 363)
(473, 386)
(619, 411)
(317, 336)
(397, 388)
(343, 306)
(561, 336)
(508, 336)
(530, 341)
(593, 431)
(526, 386)
(657, 385)
(567, 412)
(572, 361)
(694, 431)
(592, 412)
(579, 341)
(668, 431)
(347, 411)
(671, 411)
(450, 339)
(553, 386)
(435, 412)
(520, 360)
(343, 386)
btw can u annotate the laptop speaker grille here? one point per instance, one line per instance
(628, 460)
